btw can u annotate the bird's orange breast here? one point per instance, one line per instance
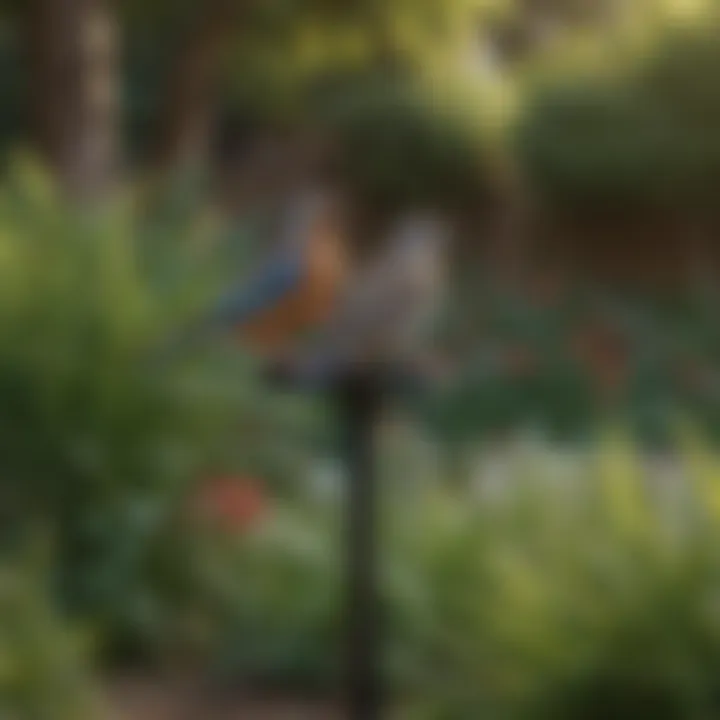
(308, 306)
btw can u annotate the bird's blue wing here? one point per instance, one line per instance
(270, 285)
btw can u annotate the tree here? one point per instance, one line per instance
(74, 85)
(186, 115)
(261, 42)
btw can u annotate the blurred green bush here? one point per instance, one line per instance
(273, 600)
(582, 594)
(576, 588)
(644, 140)
(44, 666)
(411, 142)
(102, 446)
(96, 442)
(563, 359)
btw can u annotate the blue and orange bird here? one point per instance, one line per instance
(295, 291)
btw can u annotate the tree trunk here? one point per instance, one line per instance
(72, 47)
(187, 114)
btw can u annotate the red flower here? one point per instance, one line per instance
(235, 503)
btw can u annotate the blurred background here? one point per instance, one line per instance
(551, 518)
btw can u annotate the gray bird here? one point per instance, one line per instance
(388, 311)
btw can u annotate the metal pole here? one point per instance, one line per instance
(359, 403)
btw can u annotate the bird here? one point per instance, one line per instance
(291, 294)
(387, 312)
(299, 292)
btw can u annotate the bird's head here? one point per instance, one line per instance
(312, 222)
(423, 230)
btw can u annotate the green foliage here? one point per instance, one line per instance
(105, 438)
(293, 46)
(272, 598)
(559, 364)
(592, 147)
(99, 441)
(43, 669)
(647, 140)
(404, 142)
(571, 587)
(579, 595)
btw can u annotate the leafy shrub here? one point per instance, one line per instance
(273, 598)
(589, 593)
(100, 441)
(409, 142)
(572, 587)
(591, 146)
(104, 438)
(43, 669)
(643, 141)
(561, 364)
